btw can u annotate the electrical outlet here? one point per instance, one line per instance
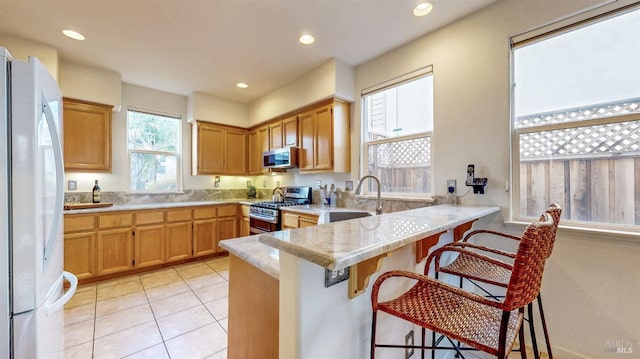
(319, 183)
(348, 185)
(408, 340)
(264, 184)
(451, 186)
(72, 185)
(277, 183)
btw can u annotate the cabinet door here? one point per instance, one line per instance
(290, 131)
(87, 136)
(235, 152)
(79, 254)
(275, 135)
(178, 241)
(210, 149)
(323, 144)
(245, 227)
(227, 228)
(149, 245)
(305, 122)
(205, 237)
(258, 143)
(115, 251)
(289, 220)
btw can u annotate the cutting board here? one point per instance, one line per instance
(87, 205)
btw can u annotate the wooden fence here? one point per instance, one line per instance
(605, 190)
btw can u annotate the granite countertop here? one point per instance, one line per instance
(163, 205)
(342, 244)
(252, 251)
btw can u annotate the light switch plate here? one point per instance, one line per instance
(72, 185)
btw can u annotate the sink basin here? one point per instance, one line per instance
(345, 215)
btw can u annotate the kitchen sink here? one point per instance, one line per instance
(345, 215)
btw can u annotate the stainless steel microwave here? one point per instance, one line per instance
(286, 157)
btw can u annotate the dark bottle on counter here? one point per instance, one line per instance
(96, 193)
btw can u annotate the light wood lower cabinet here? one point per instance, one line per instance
(149, 245)
(179, 241)
(79, 254)
(113, 243)
(205, 237)
(298, 220)
(244, 221)
(80, 245)
(115, 251)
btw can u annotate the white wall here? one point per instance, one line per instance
(21, 49)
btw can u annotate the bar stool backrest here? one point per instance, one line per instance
(526, 275)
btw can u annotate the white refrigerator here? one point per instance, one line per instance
(32, 294)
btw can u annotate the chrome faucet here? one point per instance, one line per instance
(379, 208)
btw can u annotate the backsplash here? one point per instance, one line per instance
(339, 199)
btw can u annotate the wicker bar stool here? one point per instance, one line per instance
(482, 323)
(474, 265)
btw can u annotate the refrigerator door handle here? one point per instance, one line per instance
(57, 154)
(73, 281)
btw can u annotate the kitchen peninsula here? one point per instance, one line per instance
(333, 322)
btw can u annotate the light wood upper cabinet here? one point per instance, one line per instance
(218, 150)
(87, 136)
(258, 143)
(324, 138)
(283, 133)
(290, 131)
(275, 135)
(235, 156)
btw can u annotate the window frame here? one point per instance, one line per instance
(563, 26)
(369, 189)
(177, 154)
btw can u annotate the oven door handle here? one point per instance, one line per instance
(256, 216)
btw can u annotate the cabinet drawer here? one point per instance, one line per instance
(79, 223)
(290, 220)
(179, 215)
(204, 212)
(152, 217)
(227, 211)
(115, 220)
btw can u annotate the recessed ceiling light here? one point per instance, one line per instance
(306, 39)
(242, 85)
(73, 34)
(422, 9)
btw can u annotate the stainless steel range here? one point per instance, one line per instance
(266, 217)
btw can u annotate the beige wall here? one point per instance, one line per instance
(21, 49)
(203, 107)
(591, 283)
(90, 84)
(316, 85)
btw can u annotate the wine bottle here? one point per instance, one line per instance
(96, 193)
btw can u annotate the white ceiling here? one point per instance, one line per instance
(181, 46)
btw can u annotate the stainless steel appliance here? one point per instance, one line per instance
(31, 201)
(266, 217)
(286, 157)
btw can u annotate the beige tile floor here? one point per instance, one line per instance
(176, 312)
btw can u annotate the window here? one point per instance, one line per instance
(397, 130)
(576, 122)
(154, 151)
